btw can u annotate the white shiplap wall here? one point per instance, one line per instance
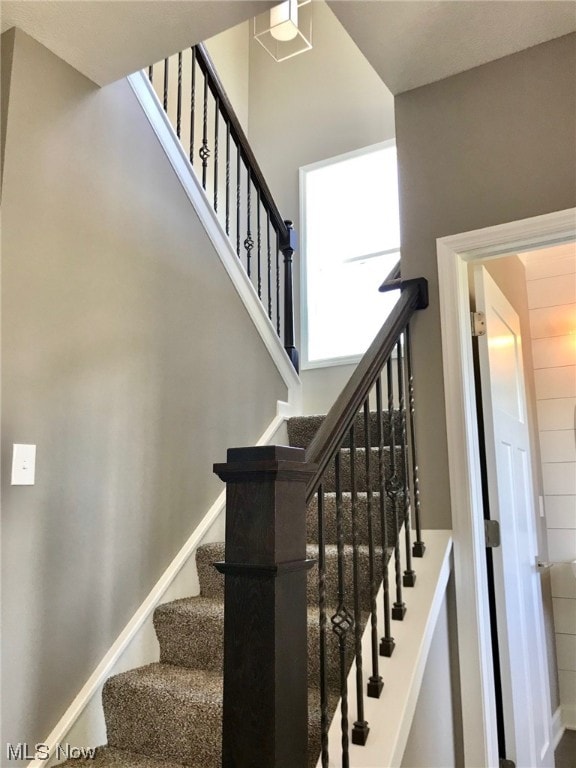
(551, 276)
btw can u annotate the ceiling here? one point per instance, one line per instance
(108, 39)
(413, 42)
(408, 42)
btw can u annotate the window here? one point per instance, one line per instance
(350, 242)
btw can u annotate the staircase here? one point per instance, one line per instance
(169, 713)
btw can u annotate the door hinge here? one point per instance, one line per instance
(478, 323)
(492, 533)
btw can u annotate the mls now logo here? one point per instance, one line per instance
(25, 751)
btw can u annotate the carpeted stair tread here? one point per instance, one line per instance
(212, 582)
(190, 632)
(167, 712)
(108, 757)
(329, 479)
(330, 529)
(302, 429)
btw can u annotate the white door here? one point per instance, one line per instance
(524, 670)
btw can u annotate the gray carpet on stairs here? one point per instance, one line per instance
(168, 714)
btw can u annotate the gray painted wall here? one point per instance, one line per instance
(491, 145)
(127, 358)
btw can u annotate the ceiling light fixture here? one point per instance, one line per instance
(285, 30)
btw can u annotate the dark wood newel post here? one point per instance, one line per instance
(265, 718)
(288, 246)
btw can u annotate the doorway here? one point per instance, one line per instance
(475, 648)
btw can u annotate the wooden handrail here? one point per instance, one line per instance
(338, 420)
(216, 86)
(393, 279)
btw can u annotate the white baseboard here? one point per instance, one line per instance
(569, 716)
(83, 724)
(171, 145)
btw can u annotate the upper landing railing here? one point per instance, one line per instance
(194, 99)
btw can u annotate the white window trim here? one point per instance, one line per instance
(305, 363)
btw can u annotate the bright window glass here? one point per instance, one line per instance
(351, 241)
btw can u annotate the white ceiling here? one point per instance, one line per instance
(108, 39)
(413, 42)
(408, 42)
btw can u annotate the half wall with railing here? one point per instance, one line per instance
(193, 96)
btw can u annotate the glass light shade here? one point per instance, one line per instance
(285, 30)
(284, 21)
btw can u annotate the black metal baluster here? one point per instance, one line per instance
(375, 683)
(151, 73)
(409, 578)
(277, 283)
(238, 191)
(165, 99)
(360, 728)
(269, 263)
(324, 723)
(179, 98)
(248, 242)
(418, 547)
(227, 178)
(392, 490)
(259, 242)
(192, 104)
(387, 643)
(204, 151)
(342, 620)
(288, 248)
(216, 121)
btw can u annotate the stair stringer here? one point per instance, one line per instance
(390, 717)
(177, 157)
(83, 725)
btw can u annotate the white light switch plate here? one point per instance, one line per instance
(23, 464)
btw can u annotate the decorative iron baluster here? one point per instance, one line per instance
(288, 248)
(227, 178)
(387, 643)
(248, 242)
(165, 98)
(204, 150)
(238, 190)
(151, 73)
(269, 263)
(259, 243)
(409, 578)
(392, 490)
(342, 621)
(192, 104)
(360, 728)
(322, 630)
(179, 98)
(418, 548)
(375, 683)
(277, 283)
(216, 121)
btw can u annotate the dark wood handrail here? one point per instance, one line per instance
(216, 86)
(392, 281)
(336, 424)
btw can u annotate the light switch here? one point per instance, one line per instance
(23, 464)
